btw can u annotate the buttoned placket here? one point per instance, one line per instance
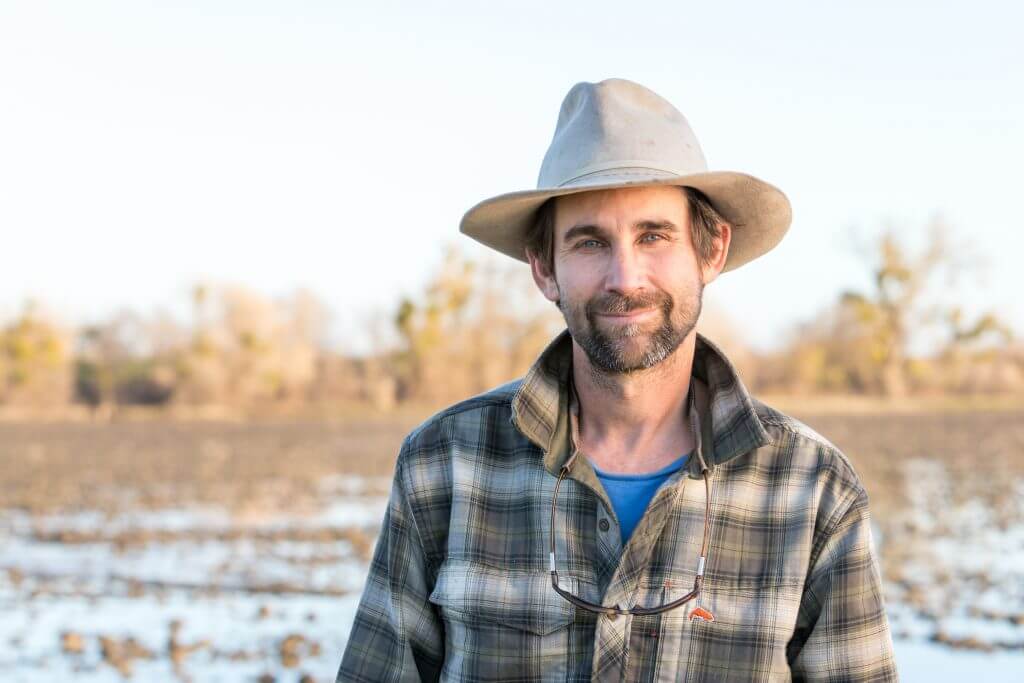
(612, 633)
(606, 524)
(608, 530)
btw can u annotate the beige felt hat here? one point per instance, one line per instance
(617, 133)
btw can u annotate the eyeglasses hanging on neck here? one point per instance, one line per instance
(698, 580)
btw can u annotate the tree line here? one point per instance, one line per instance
(477, 325)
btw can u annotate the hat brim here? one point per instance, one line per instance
(759, 213)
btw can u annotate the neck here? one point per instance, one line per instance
(635, 422)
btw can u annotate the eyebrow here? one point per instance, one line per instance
(591, 230)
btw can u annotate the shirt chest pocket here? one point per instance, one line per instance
(503, 624)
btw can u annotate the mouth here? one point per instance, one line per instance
(631, 316)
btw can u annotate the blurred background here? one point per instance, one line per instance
(231, 281)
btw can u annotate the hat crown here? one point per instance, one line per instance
(613, 126)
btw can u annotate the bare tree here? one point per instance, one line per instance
(248, 348)
(477, 325)
(863, 342)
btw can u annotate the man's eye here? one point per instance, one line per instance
(588, 244)
(655, 235)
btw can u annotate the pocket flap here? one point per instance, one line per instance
(519, 599)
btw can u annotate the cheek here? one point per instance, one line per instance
(676, 259)
(576, 285)
(674, 272)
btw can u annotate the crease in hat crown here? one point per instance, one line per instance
(618, 126)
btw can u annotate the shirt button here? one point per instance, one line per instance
(603, 525)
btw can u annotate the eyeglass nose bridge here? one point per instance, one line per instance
(635, 611)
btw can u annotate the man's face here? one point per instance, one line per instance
(626, 276)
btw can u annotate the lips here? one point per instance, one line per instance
(629, 314)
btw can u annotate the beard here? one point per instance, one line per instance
(631, 347)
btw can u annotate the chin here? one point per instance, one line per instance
(633, 357)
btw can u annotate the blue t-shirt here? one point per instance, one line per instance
(631, 493)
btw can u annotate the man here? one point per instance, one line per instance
(626, 511)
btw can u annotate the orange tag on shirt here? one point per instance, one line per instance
(701, 613)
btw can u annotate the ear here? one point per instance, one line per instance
(713, 268)
(545, 280)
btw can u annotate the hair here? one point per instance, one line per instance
(705, 222)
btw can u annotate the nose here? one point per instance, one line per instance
(625, 270)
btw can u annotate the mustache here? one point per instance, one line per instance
(612, 303)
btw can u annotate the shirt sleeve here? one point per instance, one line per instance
(842, 633)
(398, 634)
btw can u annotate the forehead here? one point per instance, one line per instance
(621, 207)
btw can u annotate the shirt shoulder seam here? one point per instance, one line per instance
(806, 433)
(473, 403)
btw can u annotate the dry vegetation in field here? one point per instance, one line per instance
(46, 466)
(271, 467)
(66, 466)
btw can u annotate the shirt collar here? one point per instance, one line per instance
(727, 424)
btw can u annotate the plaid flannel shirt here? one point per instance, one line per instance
(459, 587)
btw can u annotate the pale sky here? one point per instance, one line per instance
(145, 146)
